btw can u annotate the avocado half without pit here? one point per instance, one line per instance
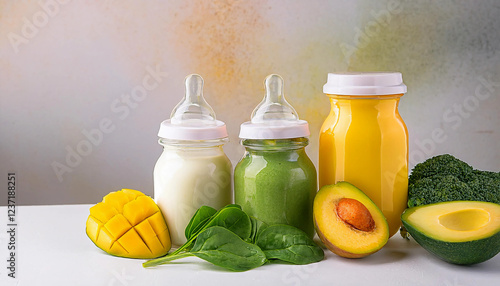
(459, 232)
(348, 222)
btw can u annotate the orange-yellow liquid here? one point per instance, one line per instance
(364, 141)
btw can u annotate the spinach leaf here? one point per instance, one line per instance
(199, 219)
(222, 247)
(233, 219)
(232, 206)
(230, 216)
(166, 259)
(289, 244)
(231, 239)
(257, 227)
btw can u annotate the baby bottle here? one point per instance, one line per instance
(275, 181)
(193, 169)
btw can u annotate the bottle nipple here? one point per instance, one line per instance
(274, 106)
(274, 117)
(193, 110)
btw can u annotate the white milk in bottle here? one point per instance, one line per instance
(193, 169)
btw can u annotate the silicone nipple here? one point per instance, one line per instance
(193, 109)
(274, 106)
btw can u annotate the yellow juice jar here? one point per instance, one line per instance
(364, 140)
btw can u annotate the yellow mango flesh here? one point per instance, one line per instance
(128, 223)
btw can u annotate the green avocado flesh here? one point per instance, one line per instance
(459, 232)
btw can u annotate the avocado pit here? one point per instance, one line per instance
(355, 214)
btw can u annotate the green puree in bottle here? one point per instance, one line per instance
(275, 182)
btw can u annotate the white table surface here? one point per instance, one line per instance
(53, 249)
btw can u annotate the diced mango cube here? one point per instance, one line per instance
(117, 225)
(149, 235)
(128, 223)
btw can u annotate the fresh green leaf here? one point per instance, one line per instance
(222, 247)
(233, 219)
(290, 244)
(231, 239)
(242, 229)
(232, 206)
(199, 219)
(165, 259)
(203, 215)
(257, 227)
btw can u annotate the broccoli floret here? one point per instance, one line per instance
(446, 178)
(486, 186)
(441, 165)
(492, 175)
(438, 188)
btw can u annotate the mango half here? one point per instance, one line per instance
(458, 232)
(348, 222)
(128, 223)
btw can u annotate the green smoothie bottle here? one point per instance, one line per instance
(275, 181)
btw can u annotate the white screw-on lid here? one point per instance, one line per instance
(274, 117)
(251, 130)
(179, 132)
(368, 83)
(193, 118)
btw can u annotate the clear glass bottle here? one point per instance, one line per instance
(364, 140)
(275, 181)
(193, 169)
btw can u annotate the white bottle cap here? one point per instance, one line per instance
(274, 117)
(193, 118)
(369, 83)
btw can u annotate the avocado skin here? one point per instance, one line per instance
(462, 253)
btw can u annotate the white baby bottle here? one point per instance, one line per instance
(193, 169)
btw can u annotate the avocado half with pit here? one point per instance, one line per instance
(348, 222)
(459, 232)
